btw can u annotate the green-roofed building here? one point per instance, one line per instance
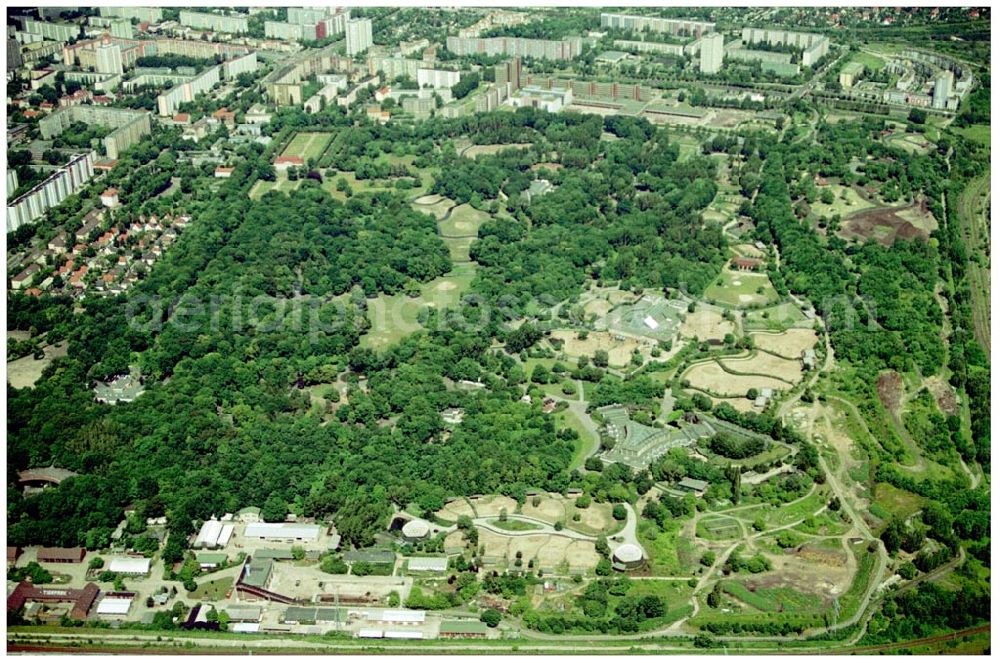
(463, 629)
(370, 555)
(259, 572)
(313, 615)
(272, 553)
(211, 560)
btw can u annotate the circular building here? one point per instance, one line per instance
(415, 530)
(628, 555)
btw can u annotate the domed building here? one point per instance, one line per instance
(416, 530)
(628, 556)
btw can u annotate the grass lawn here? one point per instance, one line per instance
(799, 510)
(514, 525)
(741, 289)
(897, 501)
(776, 318)
(395, 316)
(675, 593)
(214, 590)
(284, 185)
(873, 62)
(464, 221)
(568, 419)
(979, 133)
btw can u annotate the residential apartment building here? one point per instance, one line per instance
(14, 59)
(942, 89)
(814, 46)
(168, 102)
(239, 65)
(56, 188)
(52, 31)
(548, 49)
(437, 78)
(118, 28)
(508, 74)
(288, 31)
(108, 59)
(129, 126)
(359, 36)
(284, 85)
(145, 14)
(712, 52)
(649, 47)
(215, 22)
(196, 48)
(671, 26)
(394, 66)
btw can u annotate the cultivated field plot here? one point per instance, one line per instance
(741, 289)
(462, 221)
(846, 201)
(395, 316)
(718, 529)
(789, 343)
(619, 349)
(706, 325)
(26, 371)
(474, 151)
(549, 550)
(886, 225)
(307, 145)
(789, 370)
(711, 377)
(652, 316)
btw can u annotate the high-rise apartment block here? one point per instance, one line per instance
(712, 51)
(359, 36)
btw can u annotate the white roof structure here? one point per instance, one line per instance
(245, 628)
(650, 322)
(628, 553)
(403, 616)
(428, 564)
(208, 535)
(404, 635)
(297, 531)
(225, 535)
(129, 565)
(114, 606)
(416, 529)
(370, 633)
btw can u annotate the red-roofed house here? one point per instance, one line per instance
(746, 264)
(110, 198)
(381, 93)
(226, 116)
(31, 113)
(182, 118)
(224, 171)
(284, 161)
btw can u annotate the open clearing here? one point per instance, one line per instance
(706, 325)
(395, 316)
(910, 143)
(594, 520)
(711, 377)
(846, 201)
(26, 371)
(462, 221)
(789, 370)
(619, 351)
(789, 343)
(307, 145)
(549, 550)
(741, 289)
(474, 151)
(776, 318)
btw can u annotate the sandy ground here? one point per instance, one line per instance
(706, 325)
(452, 510)
(550, 551)
(789, 343)
(711, 377)
(619, 352)
(490, 505)
(24, 372)
(827, 574)
(786, 369)
(739, 404)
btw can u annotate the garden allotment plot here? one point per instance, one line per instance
(307, 145)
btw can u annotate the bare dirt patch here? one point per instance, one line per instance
(490, 505)
(805, 575)
(550, 509)
(886, 225)
(712, 378)
(944, 395)
(789, 343)
(706, 325)
(789, 370)
(890, 390)
(26, 371)
(619, 349)
(455, 508)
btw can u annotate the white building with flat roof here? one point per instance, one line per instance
(712, 51)
(130, 566)
(282, 532)
(114, 607)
